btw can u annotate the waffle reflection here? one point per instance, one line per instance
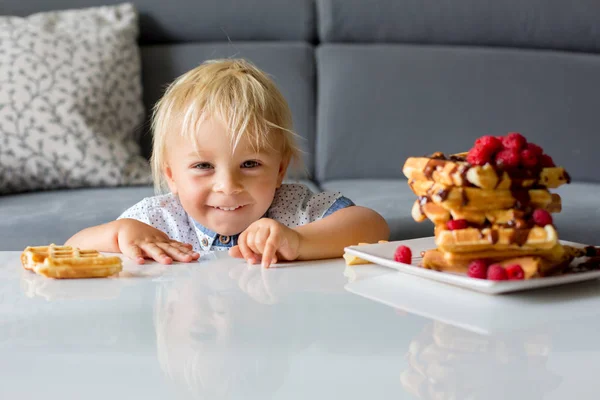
(446, 362)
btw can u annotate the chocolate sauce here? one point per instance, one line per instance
(465, 198)
(443, 193)
(522, 199)
(593, 264)
(493, 236)
(519, 236)
(432, 165)
(591, 251)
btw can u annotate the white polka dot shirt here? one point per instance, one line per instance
(293, 205)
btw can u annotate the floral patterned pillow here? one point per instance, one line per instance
(70, 100)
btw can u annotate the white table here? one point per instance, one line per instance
(219, 329)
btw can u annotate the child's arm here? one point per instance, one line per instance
(325, 238)
(134, 239)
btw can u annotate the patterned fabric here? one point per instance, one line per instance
(293, 205)
(70, 100)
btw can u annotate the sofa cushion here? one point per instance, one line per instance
(70, 100)
(379, 104)
(392, 198)
(291, 65)
(551, 24)
(206, 20)
(40, 218)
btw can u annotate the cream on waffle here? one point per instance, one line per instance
(456, 171)
(63, 262)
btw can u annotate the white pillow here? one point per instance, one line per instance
(70, 100)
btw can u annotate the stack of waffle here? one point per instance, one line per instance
(486, 212)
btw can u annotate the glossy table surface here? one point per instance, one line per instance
(219, 329)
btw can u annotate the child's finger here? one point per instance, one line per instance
(157, 253)
(235, 252)
(269, 251)
(135, 253)
(260, 239)
(250, 236)
(171, 250)
(185, 249)
(247, 253)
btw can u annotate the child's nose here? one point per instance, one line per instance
(227, 183)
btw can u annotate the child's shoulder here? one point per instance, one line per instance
(149, 205)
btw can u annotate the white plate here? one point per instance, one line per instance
(383, 254)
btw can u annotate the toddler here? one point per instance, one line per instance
(222, 144)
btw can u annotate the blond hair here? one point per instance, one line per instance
(234, 91)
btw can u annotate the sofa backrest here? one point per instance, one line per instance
(409, 77)
(392, 78)
(177, 35)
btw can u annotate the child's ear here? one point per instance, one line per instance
(169, 175)
(285, 162)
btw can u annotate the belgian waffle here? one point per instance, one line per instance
(455, 171)
(424, 209)
(495, 238)
(475, 199)
(63, 262)
(535, 263)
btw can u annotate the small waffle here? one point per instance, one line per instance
(64, 262)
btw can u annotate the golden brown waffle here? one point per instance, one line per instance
(535, 263)
(457, 172)
(495, 238)
(423, 209)
(64, 262)
(475, 199)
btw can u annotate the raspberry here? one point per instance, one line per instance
(542, 217)
(508, 158)
(515, 272)
(479, 155)
(537, 150)
(546, 161)
(514, 140)
(529, 159)
(403, 254)
(492, 143)
(457, 224)
(496, 272)
(477, 269)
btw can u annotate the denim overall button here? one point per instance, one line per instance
(224, 239)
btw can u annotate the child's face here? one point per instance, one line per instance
(223, 191)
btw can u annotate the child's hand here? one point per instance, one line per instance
(138, 240)
(268, 238)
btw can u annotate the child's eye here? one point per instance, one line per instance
(250, 164)
(203, 165)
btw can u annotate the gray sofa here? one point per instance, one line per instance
(371, 83)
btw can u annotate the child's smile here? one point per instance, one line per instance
(222, 188)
